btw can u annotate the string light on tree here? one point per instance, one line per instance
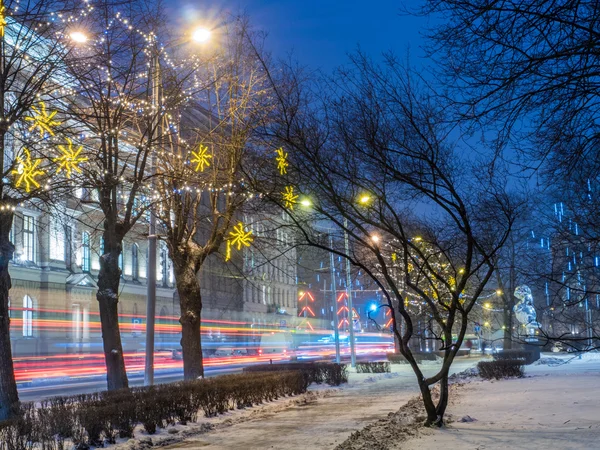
(281, 159)
(27, 171)
(42, 120)
(289, 198)
(238, 238)
(70, 159)
(201, 158)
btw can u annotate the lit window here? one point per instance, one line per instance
(85, 247)
(164, 265)
(134, 262)
(57, 241)
(27, 316)
(29, 238)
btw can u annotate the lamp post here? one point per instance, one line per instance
(151, 268)
(336, 332)
(349, 294)
(200, 35)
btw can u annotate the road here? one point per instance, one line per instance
(41, 389)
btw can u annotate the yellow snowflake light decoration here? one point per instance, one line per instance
(70, 159)
(42, 120)
(2, 18)
(289, 198)
(201, 158)
(238, 238)
(281, 159)
(27, 171)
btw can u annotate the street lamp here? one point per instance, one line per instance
(78, 37)
(201, 35)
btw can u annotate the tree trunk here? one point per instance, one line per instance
(430, 409)
(190, 301)
(443, 401)
(9, 397)
(108, 299)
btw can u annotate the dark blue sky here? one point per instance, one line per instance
(320, 33)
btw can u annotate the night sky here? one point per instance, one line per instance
(318, 33)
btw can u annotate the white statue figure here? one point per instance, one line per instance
(524, 309)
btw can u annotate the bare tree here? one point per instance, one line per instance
(117, 115)
(201, 184)
(529, 67)
(372, 154)
(32, 49)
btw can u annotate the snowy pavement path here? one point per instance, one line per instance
(551, 408)
(324, 423)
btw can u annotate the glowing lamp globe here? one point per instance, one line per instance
(201, 35)
(79, 37)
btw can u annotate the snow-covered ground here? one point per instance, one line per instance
(554, 407)
(323, 421)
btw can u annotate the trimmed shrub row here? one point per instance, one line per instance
(398, 358)
(503, 368)
(372, 367)
(94, 419)
(527, 356)
(316, 372)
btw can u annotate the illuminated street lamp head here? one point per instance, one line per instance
(487, 305)
(201, 35)
(79, 37)
(373, 307)
(375, 238)
(305, 202)
(364, 199)
(499, 292)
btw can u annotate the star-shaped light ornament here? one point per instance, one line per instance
(238, 238)
(281, 159)
(69, 160)
(289, 198)
(2, 18)
(27, 171)
(201, 158)
(42, 120)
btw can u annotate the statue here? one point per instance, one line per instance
(524, 309)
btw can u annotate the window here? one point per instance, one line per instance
(27, 316)
(134, 262)
(68, 247)
(57, 241)
(164, 265)
(121, 262)
(85, 256)
(28, 238)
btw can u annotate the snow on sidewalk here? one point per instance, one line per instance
(324, 423)
(553, 407)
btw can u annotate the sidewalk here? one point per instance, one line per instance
(324, 423)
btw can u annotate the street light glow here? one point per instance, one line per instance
(305, 202)
(364, 199)
(78, 37)
(375, 238)
(201, 35)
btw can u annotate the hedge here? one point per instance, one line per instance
(95, 419)
(527, 356)
(372, 367)
(316, 372)
(398, 358)
(502, 368)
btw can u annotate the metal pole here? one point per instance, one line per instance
(336, 332)
(151, 272)
(349, 293)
